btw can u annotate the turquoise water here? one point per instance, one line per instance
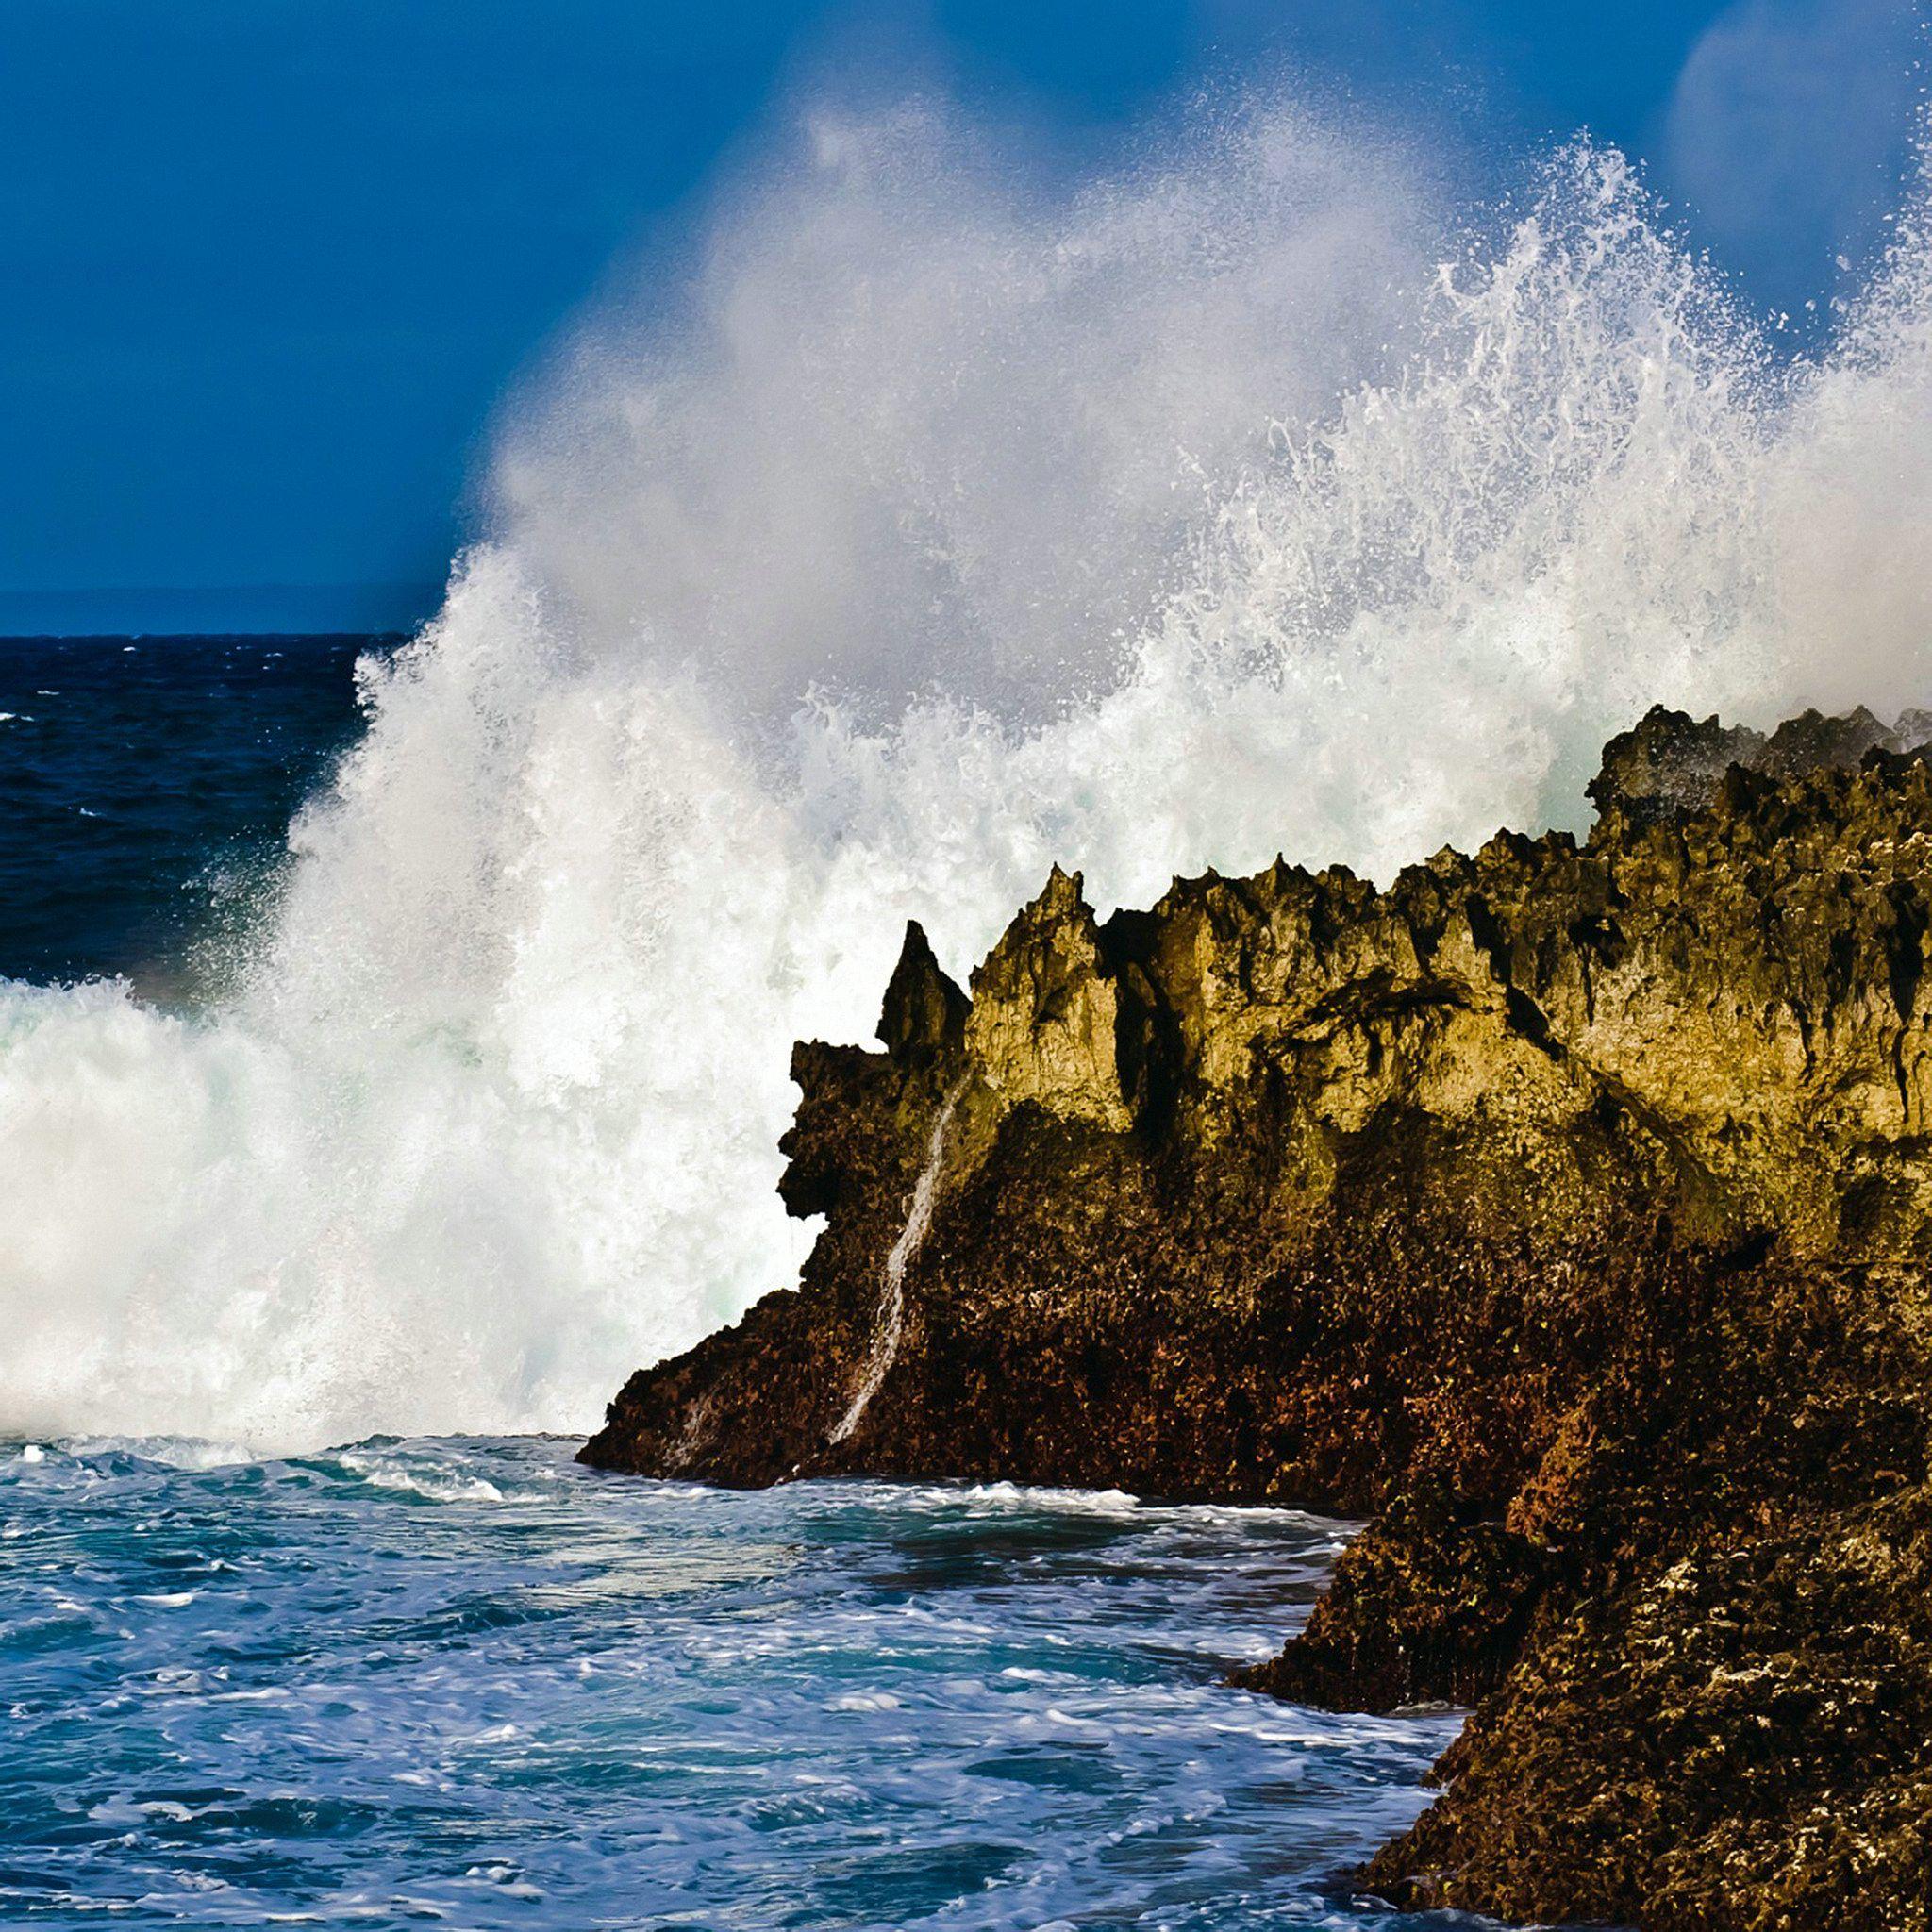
(467, 1683)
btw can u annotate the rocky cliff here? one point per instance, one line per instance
(1564, 1209)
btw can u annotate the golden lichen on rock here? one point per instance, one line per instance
(1043, 1027)
(1566, 1209)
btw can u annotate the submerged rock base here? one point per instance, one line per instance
(1564, 1209)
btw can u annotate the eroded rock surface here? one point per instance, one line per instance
(1565, 1210)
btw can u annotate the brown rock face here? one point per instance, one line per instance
(1565, 1208)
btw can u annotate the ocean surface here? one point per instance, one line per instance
(145, 789)
(461, 1681)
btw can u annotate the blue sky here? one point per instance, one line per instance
(270, 263)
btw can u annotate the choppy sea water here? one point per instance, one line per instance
(467, 1683)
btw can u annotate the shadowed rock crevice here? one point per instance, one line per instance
(1564, 1209)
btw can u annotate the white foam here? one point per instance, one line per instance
(1028, 1497)
(945, 531)
(412, 1476)
(175, 1452)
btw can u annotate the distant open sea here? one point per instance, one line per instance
(463, 1682)
(146, 785)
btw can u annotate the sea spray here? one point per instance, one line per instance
(947, 530)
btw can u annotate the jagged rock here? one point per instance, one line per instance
(1045, 1025)
(1670, 764)
(1567, 1209)
(924, 1017)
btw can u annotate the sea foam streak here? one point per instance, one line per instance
(1203, 515)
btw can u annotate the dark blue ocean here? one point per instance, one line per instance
(463, 1682)
(145, 786)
